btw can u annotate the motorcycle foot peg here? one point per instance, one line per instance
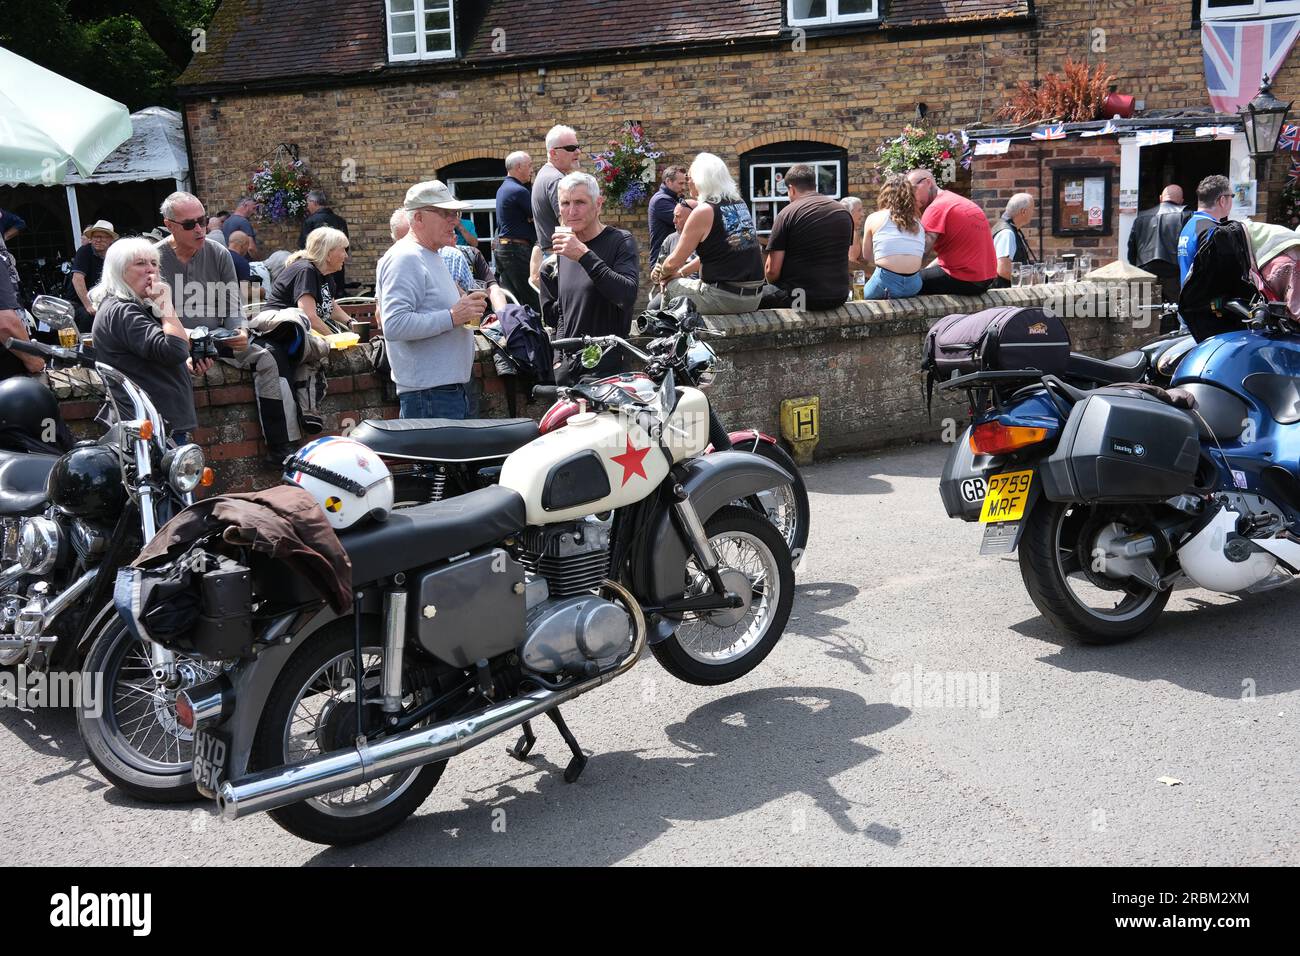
(579, 762)
(524, 746)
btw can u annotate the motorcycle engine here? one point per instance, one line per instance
(571, 629)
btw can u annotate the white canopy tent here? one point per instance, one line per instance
(156, 150)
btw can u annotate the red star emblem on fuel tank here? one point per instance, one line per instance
(632, 461)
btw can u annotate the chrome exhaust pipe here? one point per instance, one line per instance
(11, 574)
(282, 786)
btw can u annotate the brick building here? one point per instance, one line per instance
(373, 104)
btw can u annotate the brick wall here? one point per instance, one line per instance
(861, 360)
(1027, 167)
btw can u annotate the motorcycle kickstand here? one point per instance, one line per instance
(574, 770)
(524, 746)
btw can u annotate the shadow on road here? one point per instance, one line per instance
(1208, 648)
(810, 620)
(740, 753)
(52, 732)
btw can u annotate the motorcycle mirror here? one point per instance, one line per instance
(591, 356)
(56, 312)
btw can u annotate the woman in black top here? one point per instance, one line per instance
(721, 232)
(303, 284)
(136, 331)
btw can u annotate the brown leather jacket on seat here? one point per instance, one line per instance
(284, 523)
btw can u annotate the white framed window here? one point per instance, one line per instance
(1233, 9)
(420, 29)
(476, 182)
(768, 194)
(808, 13)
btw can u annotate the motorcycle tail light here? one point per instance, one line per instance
(184, 710)
(994, 438)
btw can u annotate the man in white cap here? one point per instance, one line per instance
(429, 349)
(87, 265)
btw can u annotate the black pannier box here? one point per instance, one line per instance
(1001, 339)
(224, 628)
(1122, 445)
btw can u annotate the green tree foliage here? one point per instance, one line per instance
(129, 50)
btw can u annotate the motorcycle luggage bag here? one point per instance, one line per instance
(1002, 339)
(1122, 445)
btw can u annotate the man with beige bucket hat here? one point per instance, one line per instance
(87, 265)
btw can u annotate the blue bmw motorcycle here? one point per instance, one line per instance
(1112, 495)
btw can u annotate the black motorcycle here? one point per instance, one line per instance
(474, 616)
(70, 517)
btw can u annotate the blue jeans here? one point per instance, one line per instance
(444, 401)
(884, 284)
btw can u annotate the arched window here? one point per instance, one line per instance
(476, 181)
(762, 175)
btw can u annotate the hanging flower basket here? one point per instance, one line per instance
(626, 171)
(280, 187)
(919, 148)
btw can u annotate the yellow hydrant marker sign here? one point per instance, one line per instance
(801, 426)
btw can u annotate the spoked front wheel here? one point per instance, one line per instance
(1061, 564)
(716, 647)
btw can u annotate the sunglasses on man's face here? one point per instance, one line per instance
(571, 148)
(190, 223)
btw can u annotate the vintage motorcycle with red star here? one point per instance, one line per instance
(481, 613)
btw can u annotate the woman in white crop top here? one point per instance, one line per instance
(893, 240)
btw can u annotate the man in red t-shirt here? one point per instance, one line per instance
(958, 232)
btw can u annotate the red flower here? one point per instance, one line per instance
(945, 155)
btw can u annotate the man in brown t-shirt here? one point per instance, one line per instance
(806, 268)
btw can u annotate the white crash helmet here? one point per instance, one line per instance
(347, 479)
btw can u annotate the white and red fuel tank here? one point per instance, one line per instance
(596, 462)
(601, 461)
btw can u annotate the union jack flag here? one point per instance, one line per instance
(1239, 54)
(1290, 138)
(1049, 132)
(1110, 129)
(1293, 174)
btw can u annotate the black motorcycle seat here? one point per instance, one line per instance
(1129, 367)
(445, 439)
(413, 537)
(22, 482)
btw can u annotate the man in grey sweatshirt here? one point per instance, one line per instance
(430, 350)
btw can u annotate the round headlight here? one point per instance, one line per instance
(186, 468)
(38, 545)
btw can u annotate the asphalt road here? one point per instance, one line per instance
(825, 755)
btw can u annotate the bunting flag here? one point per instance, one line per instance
(1289, 138)
(1238, 54)
(1049, 132)
(1218, 132)
(1110, 129)
(992, 147)
(1293, 174)
(967, 151)
(1154, 137)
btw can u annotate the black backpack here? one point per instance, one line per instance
(521, 351)
(1007, 338)
(1222, 269)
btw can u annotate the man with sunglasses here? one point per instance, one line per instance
(563, 156)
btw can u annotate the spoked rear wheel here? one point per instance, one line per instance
(311, 712)
(1055, 554)
(715, 647)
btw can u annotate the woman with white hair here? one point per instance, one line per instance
(721, 232)
(136, 331)
(304, 284)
